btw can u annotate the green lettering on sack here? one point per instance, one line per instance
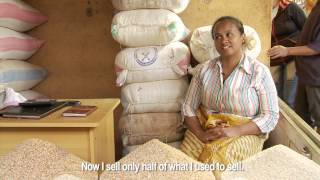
(114, 30)
(172, 26)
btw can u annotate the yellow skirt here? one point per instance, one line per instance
(224, 151)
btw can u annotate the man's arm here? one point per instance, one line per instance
(281, 51)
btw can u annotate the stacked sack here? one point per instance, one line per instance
(203, 49)
(151, 70)
(16, 17)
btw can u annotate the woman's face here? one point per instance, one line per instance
(227, 39)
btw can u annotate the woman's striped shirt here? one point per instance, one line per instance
(248, 91)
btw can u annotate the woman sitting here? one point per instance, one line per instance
(234, 88)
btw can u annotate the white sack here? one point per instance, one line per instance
(16, 45)
(20, 75)
(152, 63)
(158, 96)
(139, 128)
(19, 16)
(177, 6)
(145, 27)
(203, 48)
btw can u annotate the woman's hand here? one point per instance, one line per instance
(216, 133)
(278, 51)
(211, 134)
(231, 132)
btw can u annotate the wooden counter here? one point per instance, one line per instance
(91, 138)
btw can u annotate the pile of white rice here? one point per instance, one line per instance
(38, 159)
(158, 153)
(277, 162)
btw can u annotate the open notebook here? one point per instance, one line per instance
(31, 112)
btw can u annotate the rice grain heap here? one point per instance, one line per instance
(37, 159)
(277, 162)
(157, 152)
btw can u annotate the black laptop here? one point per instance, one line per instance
(31, 112)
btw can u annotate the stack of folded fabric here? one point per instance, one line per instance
(16, 46)
(151, 69)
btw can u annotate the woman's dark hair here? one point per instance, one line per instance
(232, 19)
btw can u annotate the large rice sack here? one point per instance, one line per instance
(128, 149)
(139, 128)
(177, 6)
(277, 162)
(20, 75)
(158, 96)
(36, 159)
(154, 159)
(15, 45)
(203, 48)
(152, 63)
(19, 16)
(144, 27)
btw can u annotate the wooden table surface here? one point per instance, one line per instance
(90, 138)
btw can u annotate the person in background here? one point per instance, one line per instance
(308, 67)
(288, 20)
(308, 5)
(232, 84)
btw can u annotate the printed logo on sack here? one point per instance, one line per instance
(146, 56)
